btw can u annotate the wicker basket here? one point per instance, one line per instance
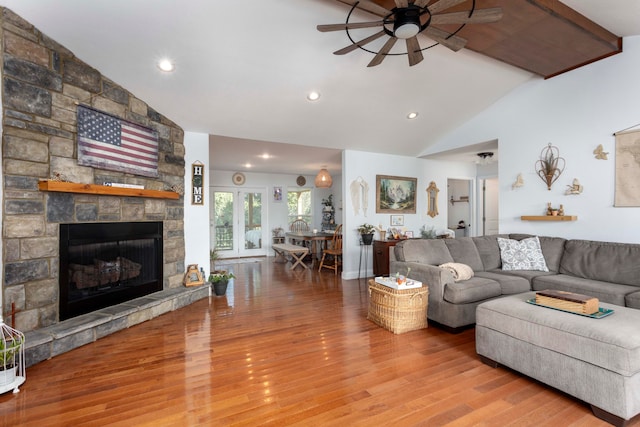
(398, 310)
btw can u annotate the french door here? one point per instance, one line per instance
(238, 221)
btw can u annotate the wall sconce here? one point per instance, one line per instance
(550, 166)
(323, 179)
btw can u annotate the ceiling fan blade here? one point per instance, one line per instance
(481, 16)
(369, 7)
(349, 26)
(382, 52)
(362, 42)
(414, 52)
(443, 4)
(421, 3)
(402, 3)
(454, 43)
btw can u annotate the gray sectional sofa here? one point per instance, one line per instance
(608, 271)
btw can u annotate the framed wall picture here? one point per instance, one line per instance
(395, 194)
(408, 234)
(397, 220)
(277, 194)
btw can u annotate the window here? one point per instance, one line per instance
(299, 205)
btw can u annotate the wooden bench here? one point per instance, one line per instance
(297, 253)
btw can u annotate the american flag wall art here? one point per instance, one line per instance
(107, 142)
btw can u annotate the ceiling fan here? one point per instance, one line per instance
(406, 21)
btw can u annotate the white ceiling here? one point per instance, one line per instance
(244, 70)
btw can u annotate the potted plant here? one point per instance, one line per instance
(220, 280)
(10, 345)
(328, 203)
(366, 232)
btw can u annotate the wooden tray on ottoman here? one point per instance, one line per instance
(398, 310)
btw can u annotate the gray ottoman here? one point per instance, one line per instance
(595, 360)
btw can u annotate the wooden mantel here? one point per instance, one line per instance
(72, 187)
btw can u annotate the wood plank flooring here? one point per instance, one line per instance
(283, 348)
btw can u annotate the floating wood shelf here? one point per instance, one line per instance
(549, 218)
(453, 201)
(72, 187)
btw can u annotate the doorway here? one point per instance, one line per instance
(236, 220)
(459, 206)
(488, 206)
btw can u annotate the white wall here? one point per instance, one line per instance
(196, 217)
(574, 111)
(368, 165)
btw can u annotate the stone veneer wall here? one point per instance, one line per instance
(42, 83)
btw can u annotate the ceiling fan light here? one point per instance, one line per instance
(323, 179)
(484, 158)
(406, 31)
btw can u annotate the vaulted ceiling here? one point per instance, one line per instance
(244, 69)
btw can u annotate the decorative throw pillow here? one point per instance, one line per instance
(458, 270)
(525, 254)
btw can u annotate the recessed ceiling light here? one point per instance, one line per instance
(412, 115)
(266, 156)
(313, 96)
(247, 165)
(166, 65)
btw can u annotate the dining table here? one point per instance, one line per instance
(318, 241)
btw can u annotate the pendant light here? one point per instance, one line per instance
(323, 179)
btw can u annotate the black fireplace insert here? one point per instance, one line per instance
(103, 264)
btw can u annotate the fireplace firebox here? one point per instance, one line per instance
(103, 264)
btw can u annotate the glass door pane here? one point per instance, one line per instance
(236, 222)
(252, 218)
(223, 209)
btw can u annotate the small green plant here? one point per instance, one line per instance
(9, 347)
(328, 201)
(427, 233)
(366, 228)
(214, 255)
(220, 276)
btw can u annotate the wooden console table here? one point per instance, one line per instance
(381, 256)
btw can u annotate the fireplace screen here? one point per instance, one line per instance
(103, 264)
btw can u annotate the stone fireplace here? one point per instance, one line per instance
(43, 83)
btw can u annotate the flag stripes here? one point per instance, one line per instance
(107, 142)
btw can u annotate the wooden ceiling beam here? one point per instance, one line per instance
(545, 37)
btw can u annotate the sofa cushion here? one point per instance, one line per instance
(604, 291)
(464, 251)
(525, 254)
(509, 284)
(552, 249)
(425, 251)
(605, 261)
(526, 274)
(633, 300)
(489, 250)
(472, 290)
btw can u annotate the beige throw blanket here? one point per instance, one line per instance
(458, 270)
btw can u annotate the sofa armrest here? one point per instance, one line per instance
(435, 277)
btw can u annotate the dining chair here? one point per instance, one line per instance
(334, 250)
(298, 225)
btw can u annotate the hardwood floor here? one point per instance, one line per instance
(283, 348)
